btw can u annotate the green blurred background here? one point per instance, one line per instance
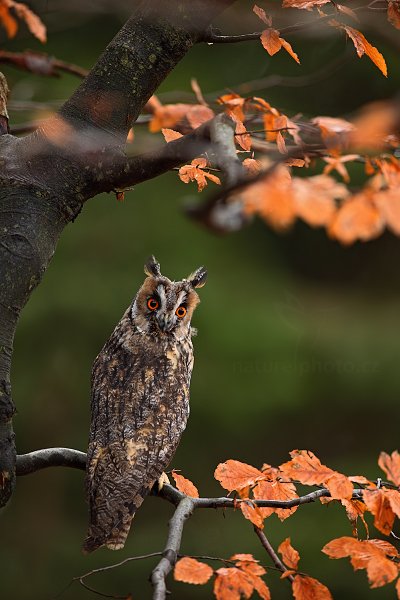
(298, 340)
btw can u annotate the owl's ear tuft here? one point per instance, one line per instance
(152, 267)
(198, 278)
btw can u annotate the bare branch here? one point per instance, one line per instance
(40, 63)
(50, 457)
(183, 511)
(222, 133)
(270, 550)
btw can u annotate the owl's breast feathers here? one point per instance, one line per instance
(139, 410)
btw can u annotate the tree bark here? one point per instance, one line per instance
(46, 177)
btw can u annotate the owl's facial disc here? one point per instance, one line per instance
(168, 307)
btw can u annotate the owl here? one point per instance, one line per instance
(139, 402)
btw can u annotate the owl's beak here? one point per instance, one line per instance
(164, 323)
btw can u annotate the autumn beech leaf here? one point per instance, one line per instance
(193, 571)
(185, 485)
(170, 135)
(252, 513)
(290, 556)
(234, 103)
(170, 115)
(234, 582)
(363, 46)
(390, 464)
(393, 15)
(371, 555)
(276, 490)
(355, 509)
(384, 505)
(307, 468)
(33, 22)
(303, 4)
(194, 172)
(315, 198)
(272, 42)
(308, 588)
(235, 475)
(357, 219)
(336, 163)
(261, 14)
(252, 166)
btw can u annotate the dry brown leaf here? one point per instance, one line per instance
(355, 509)
(235, 475)
(170, 135)
(393, 13)
(252, 166)
(308, 588)
(314, 198)
(290, 556)
(363, 46)
(253, 513)
(276, 490)
(261, 14)
(390, 464)
(194, 172)
(33, 22)
(378, 503)
(366, 554)
(185, 485)
(231, 583)
(193, 571)
(303, 4)
(357, 219)
(272, 42)
(7, 20)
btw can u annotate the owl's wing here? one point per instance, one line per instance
(138, 415)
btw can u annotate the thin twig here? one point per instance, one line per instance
(270, 550)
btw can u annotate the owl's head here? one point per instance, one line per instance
(163, 306)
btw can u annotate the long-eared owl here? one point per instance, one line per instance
(139, 402)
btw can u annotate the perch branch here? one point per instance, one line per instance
(183, 511)
(40, 63)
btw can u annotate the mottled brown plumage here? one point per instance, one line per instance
(140, 402)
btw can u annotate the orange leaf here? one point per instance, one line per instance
(261, 14)
(314, 198)
(272, 42)
(33, 22)
(8, 21)
(194, 172)
(378, 503)
(276, 490)
(306, 468)
(185, 485)
(231, 583)
(393, 13)
(357, 219)
(398, 588)
(252, 166)
(354, 510)
(390, 464)
(250, 566)
(308, 588)
(199, 114)
(290, 556)
(363, 46)
(235, 475)
(339, 486)
(190, 570)
(303, 4)
(367, 554)
(170, 135)
(252, 513)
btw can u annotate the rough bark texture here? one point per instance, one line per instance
(46, 177)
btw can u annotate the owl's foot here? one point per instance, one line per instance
(162, 480)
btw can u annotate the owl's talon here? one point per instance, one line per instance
(162, 480)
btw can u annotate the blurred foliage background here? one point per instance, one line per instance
(298, 343)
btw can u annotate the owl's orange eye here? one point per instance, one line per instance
(180, 312)
(152, 304)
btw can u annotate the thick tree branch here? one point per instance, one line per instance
(47, 176)
(50, 457)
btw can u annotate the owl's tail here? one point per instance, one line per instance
(114, 541)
